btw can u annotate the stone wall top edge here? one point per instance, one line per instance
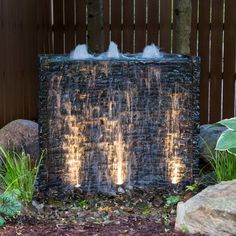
(167, 58)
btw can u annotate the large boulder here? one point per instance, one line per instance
(209, 135)
(211, 212)
(21, 134)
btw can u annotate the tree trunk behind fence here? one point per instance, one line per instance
(95, 25)
(183, 12)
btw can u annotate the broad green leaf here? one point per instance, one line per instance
(226, 141)
(229, 123)
(232, 150)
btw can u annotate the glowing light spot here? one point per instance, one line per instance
(119, 146)
(115, 147)
(73, 152)
(175, 165)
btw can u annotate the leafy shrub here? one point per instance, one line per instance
(223, 158)
(17, 172)
(10, 206)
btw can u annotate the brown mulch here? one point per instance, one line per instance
(136, 212)
(137, 228)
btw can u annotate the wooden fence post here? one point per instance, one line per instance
(183, 11)
(95, 25)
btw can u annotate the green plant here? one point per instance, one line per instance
(223, 158)
(194, 187)
(227, 140)
(223, 164)
(17, 172)
(84, 204)
(10, 206)
(173, 200)
(184, 229)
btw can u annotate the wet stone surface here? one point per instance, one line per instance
(119, 122)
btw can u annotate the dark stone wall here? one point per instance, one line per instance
(118, 122)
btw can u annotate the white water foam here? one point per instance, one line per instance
(151, 51)
(112, 52)
(80, 53)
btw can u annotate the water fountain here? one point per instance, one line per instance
(118, 120)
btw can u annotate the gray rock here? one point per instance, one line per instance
(38, 206)
(210, 133)
(21, 134)
(211, 212)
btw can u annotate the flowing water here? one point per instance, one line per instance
(108, 143)
(151, 51)
(120, 123)
(81, 53)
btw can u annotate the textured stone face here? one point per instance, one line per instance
(210, 212)
(118, 122)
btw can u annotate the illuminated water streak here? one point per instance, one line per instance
(175, 165)
(74, 153)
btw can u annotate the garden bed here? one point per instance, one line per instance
(135, 212)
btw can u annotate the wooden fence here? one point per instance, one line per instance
(29, 27)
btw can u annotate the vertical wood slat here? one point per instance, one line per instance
(106, 21)
(116, 22)
(194, 23)
(10, 65)
(216, 64)
(128, 26)
(81, 36)
(44, 25)
(2, 64)
(32, 70)
(229, 59)
(153, 22)
(58, 26)
(165, 25)
(204, 32)
(23, 60)
(69, 25)
(140, 25)
(19, 59)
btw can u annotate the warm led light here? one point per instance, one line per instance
(175, 166)
(74, 152)
(115, 149)
(120, 153)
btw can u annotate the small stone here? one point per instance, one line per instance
(38, 206)
(120, 190)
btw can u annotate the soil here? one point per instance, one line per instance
(132, 227)
(135, 212)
